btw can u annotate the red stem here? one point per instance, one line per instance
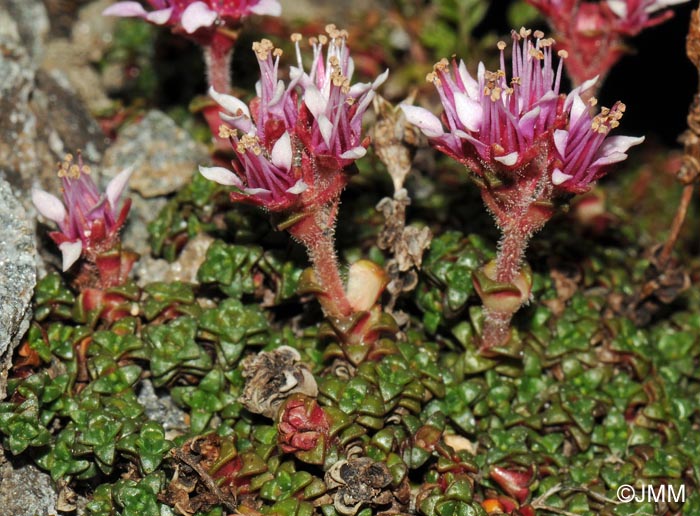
(519, 217)
(218, 60)
(511, 251)
(676, 225)
(316, 233)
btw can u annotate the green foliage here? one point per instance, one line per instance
(452, 25)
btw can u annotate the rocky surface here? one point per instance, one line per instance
(42, 117)
(29, 24)
(183, 269)
(17, 277)
(164, 157)
(161, 408)
(77, 55)
(26, 491)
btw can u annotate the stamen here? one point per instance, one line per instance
(263, 48)
(249, 143)
(227, 132)
(443, 65)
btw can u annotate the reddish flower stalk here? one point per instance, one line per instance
(594, 33)
(213, 24)
(295, 147)
(528, 147)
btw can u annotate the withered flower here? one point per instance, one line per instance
(359, 482)
(272, 376)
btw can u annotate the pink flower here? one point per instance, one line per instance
(88, 221)
(192, 16)
(497, 126)
(528, 146)
(594, 32)
(294, 141)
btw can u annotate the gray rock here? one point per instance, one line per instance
(32, 23)
(17, 277)
(42, 120)
(75, 56)
(18, 123)
(26, 491)
(164, 155)
(160, 407)
(183, 269)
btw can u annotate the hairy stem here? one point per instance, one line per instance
(217, 57)
(511, 251)
(316, 233)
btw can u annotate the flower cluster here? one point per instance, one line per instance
(594, 32)
(195, 17)
(528, 146)
(295, 141)
(88, 221)
(497, 126)
(213, 24)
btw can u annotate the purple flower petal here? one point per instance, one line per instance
(261, 192)
(578, 109)
(221, 175)
(126, 10)
(326, 128)
(380, 79)
(281, 155)
(614, 144)
(70, 251)
(229, 103)
(559, 177)
(240, 122)
(299, 187)
(268, 7)
(469, 111)
(315, 101)
(49, 206)
(470, 85)
(619, 7)
(561, 138)
(160, 17)
(576, 92)
(196, 16)
(527, 122)
(428, 123)
(661, 4)
(354, 153)
(116, 186)
(608, 159)
(508, 160)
